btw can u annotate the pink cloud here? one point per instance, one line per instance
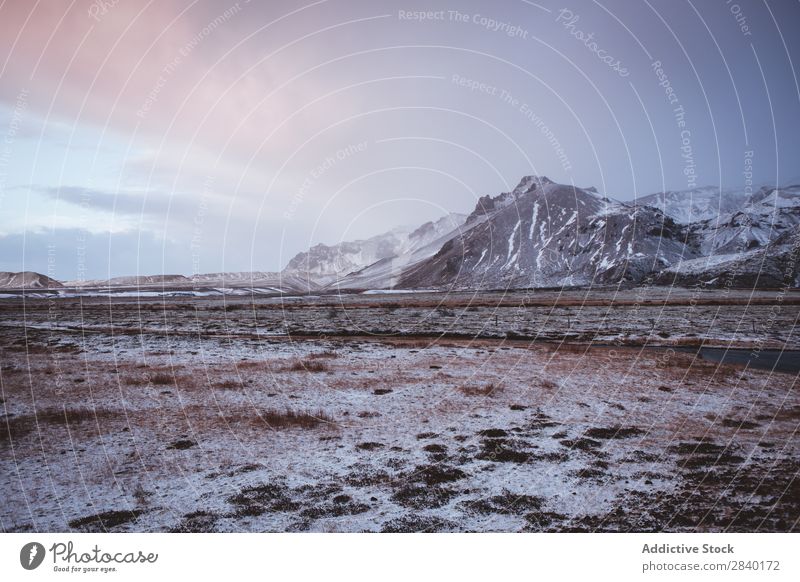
(153, 68)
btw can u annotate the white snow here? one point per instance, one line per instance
(534, 217)
(511, 255)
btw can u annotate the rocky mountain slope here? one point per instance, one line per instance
(345, 264)
(544, 234)
(695, 205)
(762, 218)
(774, 264)
(757, 245)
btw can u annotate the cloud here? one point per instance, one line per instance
(182, 78)
(132, 203)
(100, 211)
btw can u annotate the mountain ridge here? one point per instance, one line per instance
(541, 234)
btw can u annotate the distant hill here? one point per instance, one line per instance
(281, 282)
(207, 283)
(27, 280)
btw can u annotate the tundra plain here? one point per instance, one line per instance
(528, 411)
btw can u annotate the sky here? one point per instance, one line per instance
(199, 136)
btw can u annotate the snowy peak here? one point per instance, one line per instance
(773, 265)
(423, 243)
(530, 183)
(529, 188)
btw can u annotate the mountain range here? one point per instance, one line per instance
(542, 234)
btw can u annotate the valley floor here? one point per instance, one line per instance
(378, 413)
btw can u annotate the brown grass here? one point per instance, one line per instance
(295, 419)
(228, 385)
(308, 366)
(367, 381)
(159, 376)
(788, 412)
(162, 379)
(693, 367)
(548, 384)
(326, 354)
(412, 344)
(488, 390)
(250, 364)
(571, 348)
(15, 427)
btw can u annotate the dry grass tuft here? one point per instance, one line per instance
(162, 379)
(548, 384)
(488, 390)
(295, 419)
(412, 344)
(228, 385)
(250, 364)
(329, 354)
(308, 366)
(693, 367)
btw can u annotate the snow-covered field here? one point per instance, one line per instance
(356, 414)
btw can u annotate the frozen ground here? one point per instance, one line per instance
(377, 413)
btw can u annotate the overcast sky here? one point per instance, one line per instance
(181, 137)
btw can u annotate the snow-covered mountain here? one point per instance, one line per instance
(544, 234)
(756, 245)
(762, 218)
(423, 243)
(775, 264)
(695, 205)
(338, 264)
(132, 281)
